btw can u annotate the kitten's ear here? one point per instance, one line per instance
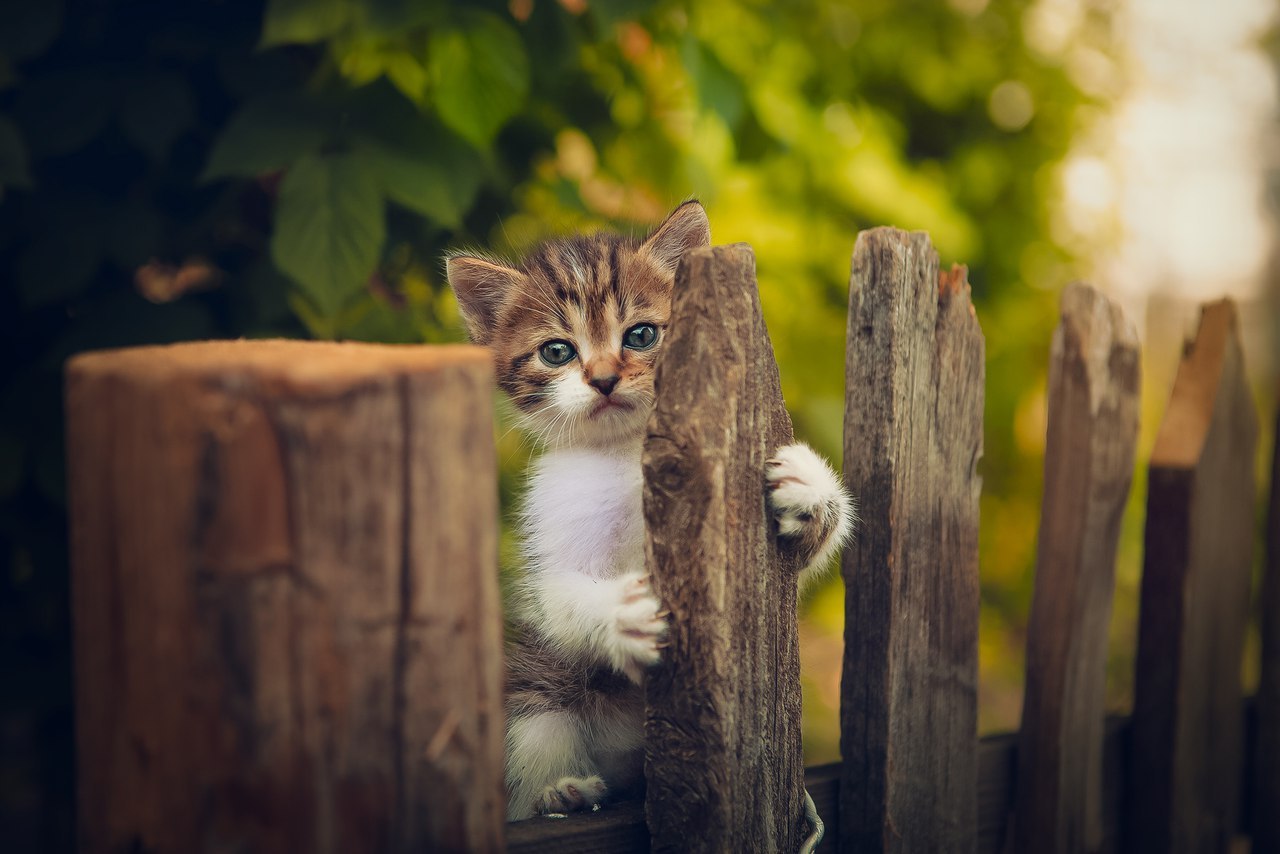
(480, 286)
(685, 228)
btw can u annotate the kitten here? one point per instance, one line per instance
(575, 331)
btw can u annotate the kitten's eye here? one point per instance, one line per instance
(640, 337)
(556, 353)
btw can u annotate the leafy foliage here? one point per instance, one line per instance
(178, 170)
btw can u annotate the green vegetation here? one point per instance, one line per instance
(182, 170)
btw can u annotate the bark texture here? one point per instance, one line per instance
(287, 625)
(724, 762)
(1195, 601)
(912, 441)
(1094, 378)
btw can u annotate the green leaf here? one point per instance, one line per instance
(406, 74)
(480, 76)
(613, 12)
(303, 21)
(719, 89)
(13, 157)
(154, 111)
(438, 181)
(269, 134)
(329, 228)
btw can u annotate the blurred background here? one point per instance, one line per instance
(201, 169)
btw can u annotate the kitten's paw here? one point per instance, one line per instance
(639, 626)
(812, 508)
(571, 794)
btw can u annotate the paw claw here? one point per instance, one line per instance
(571, 794)
(638, 626)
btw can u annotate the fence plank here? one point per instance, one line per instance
(287, 624)
(1093, 429)
(1266, 804)
(912, 441)
(620, 829)
(724, 763)
(1195, 600)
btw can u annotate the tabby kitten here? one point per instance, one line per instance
(575, 330)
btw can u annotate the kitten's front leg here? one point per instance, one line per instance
(616, 620)
(813, 510)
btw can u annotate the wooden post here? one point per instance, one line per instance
(912, 441)
(287, 625)
(1093, 429)
(1266, 802)
(1188, 712)
(724, 763)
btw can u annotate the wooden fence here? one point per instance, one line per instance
(287, 624)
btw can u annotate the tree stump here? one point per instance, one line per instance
(287, 624)
(1188, 708)
(724, 761)
(912, 441)
(1094, 380)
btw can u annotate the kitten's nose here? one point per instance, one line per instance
(603, 384)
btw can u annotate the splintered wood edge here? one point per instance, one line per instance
(1195, 389)
(1100, 330)
(301, 367)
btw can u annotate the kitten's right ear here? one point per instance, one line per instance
(480, 286)
(685, 228)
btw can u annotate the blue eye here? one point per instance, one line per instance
(642, 336)
(556, 353)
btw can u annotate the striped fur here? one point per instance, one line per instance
(587, 623)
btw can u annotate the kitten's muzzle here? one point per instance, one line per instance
(607, 403)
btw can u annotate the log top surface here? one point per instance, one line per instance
(299, 365)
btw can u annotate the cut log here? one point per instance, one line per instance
(1195, 601)
(912, 441)
(724, 763)
(1094, 381)
(287, 624)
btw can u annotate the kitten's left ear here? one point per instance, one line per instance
(481, 287)
(685, 228)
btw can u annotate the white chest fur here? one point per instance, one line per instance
(583, 513)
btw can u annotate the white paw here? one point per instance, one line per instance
(571, 794)
(639, 626)
(801, 487)
(815, 515)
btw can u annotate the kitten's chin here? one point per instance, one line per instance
(612, 425)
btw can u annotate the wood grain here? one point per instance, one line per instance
(912, 442)
(286, 616)
(724, 763)
(1093, 403)
(620, 828)
(1195, 600)
(1266, 803)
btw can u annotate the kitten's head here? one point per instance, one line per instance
(576, 328)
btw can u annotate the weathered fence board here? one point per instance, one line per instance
(1195, 600)
(724, 763)
(912, 441)
(1093, 430)
(620, 828)
(1266, 804)
(287, 624)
